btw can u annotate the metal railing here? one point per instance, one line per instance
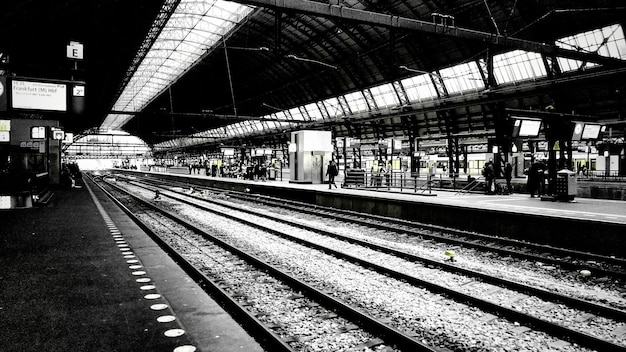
(397, 180)
(602, 176)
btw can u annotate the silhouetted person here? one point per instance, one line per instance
(331, 172)
(535, 179)
(508, 174)
(489, 174)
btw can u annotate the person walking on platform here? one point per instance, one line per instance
(331, 172)
(508, 174)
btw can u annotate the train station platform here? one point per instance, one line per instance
(586, 224)
(79, 275)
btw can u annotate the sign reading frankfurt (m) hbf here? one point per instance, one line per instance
(38, 95)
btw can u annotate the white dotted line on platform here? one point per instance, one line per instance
(135, 267)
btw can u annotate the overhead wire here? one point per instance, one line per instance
(491, 16)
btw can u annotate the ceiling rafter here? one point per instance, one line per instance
(373, 18)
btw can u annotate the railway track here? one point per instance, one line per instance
(262, 295)
(461, 294)
(599, 265)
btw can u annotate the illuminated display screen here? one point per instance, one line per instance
(529, 128)
(38, 95)
(591, 131)
(37, 132)
(5, 202)
(5, 125)
(58, 135)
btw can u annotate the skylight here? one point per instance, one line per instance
(518, 65)
(509, 67)
(463, 77)
(419, 88)
(385, 96)
(608, 41)
(194, 27)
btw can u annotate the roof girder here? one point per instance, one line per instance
(373, 18)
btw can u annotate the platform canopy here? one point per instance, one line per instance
(187, 74)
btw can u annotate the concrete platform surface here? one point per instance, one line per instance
(78, 275)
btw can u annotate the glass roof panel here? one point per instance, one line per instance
(258, 125)
(385, 96)
(508, 67)
(314, 111)
(419, 88)
(608, 41)
(461, 78)
(356, 102)
(270, 123)
(203, 23)
(296, 114)
(280, 115)
(333, 107)
(517, 66)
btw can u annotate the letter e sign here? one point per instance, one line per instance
(75, 50)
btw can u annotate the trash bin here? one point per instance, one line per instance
(566, 185)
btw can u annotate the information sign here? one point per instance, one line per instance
(5, 125)
(75, 50)
(58, 135)
(38, 95)
(78, 91)
(591, 131)
(38, 132)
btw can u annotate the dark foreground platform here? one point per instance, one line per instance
(78, 275)
(590, 225)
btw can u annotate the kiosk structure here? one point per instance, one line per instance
(309, 153)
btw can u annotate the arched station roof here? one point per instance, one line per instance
(293, 64)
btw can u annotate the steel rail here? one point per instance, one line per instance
(338, 214)
(607, 311)
(596, 308)
(248, 321)
(388, 333)
(549, 327)
(508, 241)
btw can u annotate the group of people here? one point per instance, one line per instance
(536, 184)
(377, 176)
(489, 172)
(255, 171)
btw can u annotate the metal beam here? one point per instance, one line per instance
(390, 21)
(232, 118)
